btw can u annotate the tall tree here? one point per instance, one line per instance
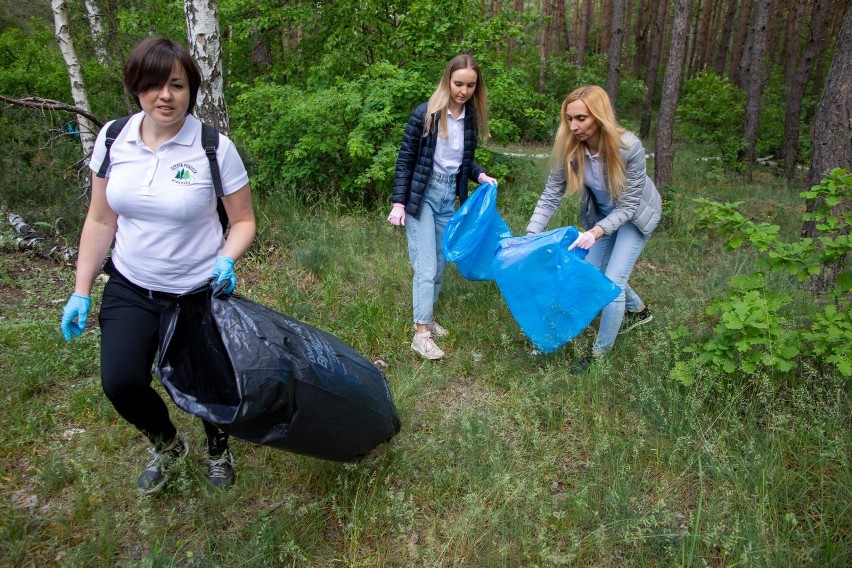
(583, 38)
(616, 39)
(96, 25)
(739, 43)
(757, 76)
(797, 81)
(544, 44)
(657, 37)
(75, 74)
(832, 142)
(205, 45)
(663, 147)
(721, 59)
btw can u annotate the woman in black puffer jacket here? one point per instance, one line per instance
(434, 165)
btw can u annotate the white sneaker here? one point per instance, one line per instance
(425, 345)
(438, 330)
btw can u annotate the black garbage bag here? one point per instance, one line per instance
(273, 380)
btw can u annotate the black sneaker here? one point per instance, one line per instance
(582, 365)
(635, 319)
(160, 468)
(220, 470)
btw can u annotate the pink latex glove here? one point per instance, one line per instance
(397, 214)
(584, 241)
(485, 178)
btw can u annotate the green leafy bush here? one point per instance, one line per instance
(761, 329)
(712, 110)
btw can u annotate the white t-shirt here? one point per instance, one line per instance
(168, 232)
(448, 151)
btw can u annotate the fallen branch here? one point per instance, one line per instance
(48, 104)
(31, 239)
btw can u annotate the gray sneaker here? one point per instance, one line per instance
(220, 470)
(438, 330)
(635, 319)
(425, 345)
(160, 468)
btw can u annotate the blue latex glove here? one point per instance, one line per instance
(77, 307)
(224, 270)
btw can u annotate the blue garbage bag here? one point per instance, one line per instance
(552, 292)
(473, 233)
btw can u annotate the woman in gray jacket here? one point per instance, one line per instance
(619, 205)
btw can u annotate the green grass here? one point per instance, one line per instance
(504, 458)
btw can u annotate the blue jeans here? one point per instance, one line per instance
(615, 256)
(424, 243)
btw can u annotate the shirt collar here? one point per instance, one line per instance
(185, 136)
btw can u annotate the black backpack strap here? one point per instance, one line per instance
(111, 134)
(210, 141)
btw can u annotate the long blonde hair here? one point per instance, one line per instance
(570, 152)
(439, 102)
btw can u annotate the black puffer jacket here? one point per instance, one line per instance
(415, 161)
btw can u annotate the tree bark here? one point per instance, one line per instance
(740, 39)
(75, 74)
(658, 35)
(663, 148)
(96, 25)
(544, 45)
(721, 59)
(202, 24)
(756, 78)
(582, 40)
(797, 81)
(613, 66)
(832, 142)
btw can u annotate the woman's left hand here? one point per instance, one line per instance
(585, 240)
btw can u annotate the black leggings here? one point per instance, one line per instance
(130, 333)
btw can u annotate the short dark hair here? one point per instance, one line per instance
(150, 65)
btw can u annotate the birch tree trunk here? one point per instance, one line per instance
(75, 74)
(96, 25)
(663, 148)
(202, 26)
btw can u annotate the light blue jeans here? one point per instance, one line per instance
(424, 244)
(615, 256)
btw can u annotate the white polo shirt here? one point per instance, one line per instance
(168, 231)
(449, 151)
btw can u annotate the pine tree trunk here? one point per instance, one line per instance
(663, 148)
(832, 143)
(202, 24)
(797, 81)
(75, 74)
(658, 35)
(613, 66)
(740, 40)
(756, 78)
(583, 38)
(721, 60)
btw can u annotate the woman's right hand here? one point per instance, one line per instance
(77, 308)
(397, 214)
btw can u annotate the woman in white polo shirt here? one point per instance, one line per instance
(157, 204)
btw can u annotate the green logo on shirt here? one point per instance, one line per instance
(184, 174)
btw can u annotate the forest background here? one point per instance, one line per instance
(721, 436)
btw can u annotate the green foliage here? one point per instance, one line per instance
(770, 135)
(711, 110)
(755, 333)
(31, 65)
